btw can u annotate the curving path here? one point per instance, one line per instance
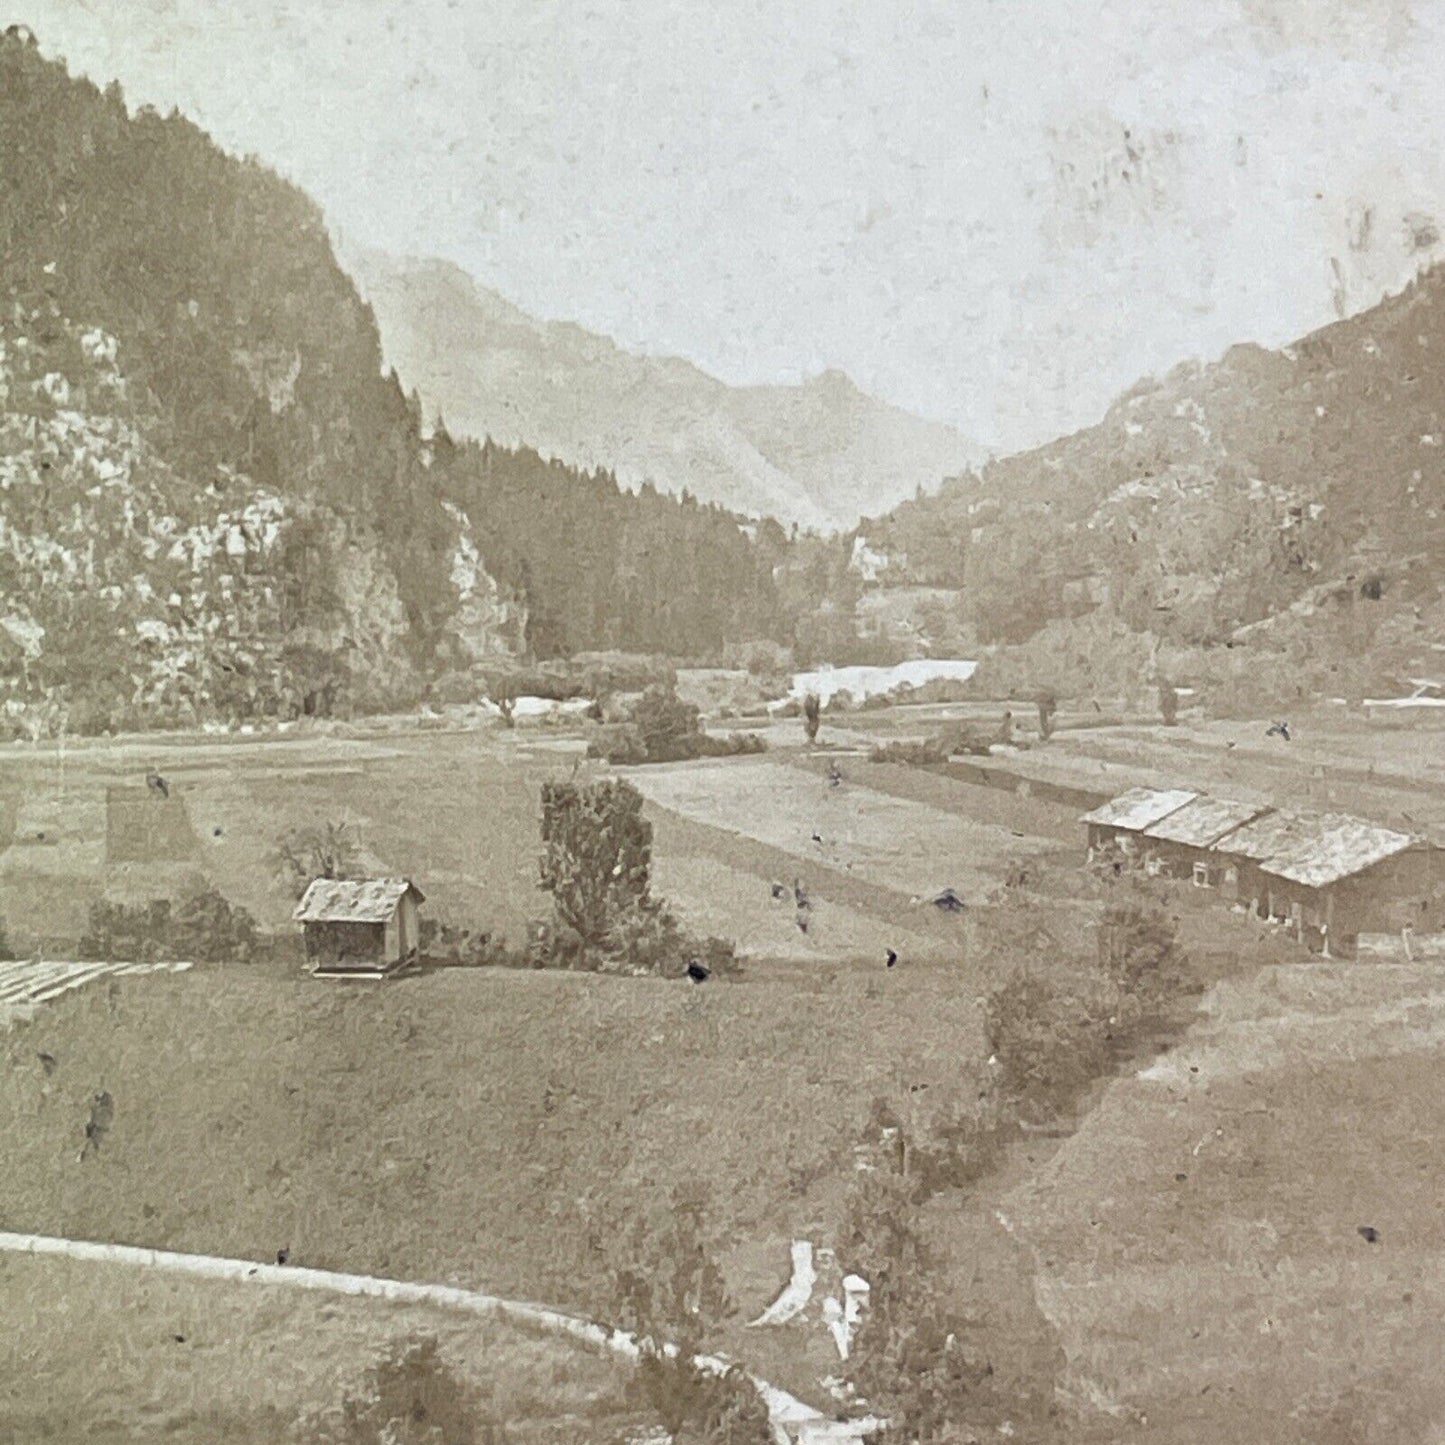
(792, 1420)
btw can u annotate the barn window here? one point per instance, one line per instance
(1201, 875)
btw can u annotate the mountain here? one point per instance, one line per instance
(1285, 505)
(821, 454)
(215, 502)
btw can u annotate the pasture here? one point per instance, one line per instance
(106, 1354)
(1214, 1208)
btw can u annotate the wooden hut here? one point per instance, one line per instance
(360, 927)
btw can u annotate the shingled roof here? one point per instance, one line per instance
(1204, 821)
(1272, 835)
(1139, 808)
(360, 900)
(1340, 848)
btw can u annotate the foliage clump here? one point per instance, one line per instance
(597, 865)
(204, 927)
(661, 727)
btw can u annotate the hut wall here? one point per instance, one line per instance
(1407, 890)
(408, 927)
(344, 942)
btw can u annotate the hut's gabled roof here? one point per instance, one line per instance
(1139, 808)
(1339, 849)
(1204, 821)
(347, 900)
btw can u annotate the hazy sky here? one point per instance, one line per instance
(996, 212)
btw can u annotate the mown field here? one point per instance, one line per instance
(105, 1354)
(459, 812)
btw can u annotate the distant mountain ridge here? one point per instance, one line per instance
(821, 454)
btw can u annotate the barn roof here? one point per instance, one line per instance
(1204, 821)
(1272, 835)
(1339, 849)
(1139, 808)
(361, 900)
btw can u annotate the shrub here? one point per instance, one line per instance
(410, 1397)
(698, 1407)
(914, 754)
(1049, 1042)
(620, 743)
(453, 947)
(668, 726)
(734, 745)
(1139, 950)
(627, 745)
(668, 1291)
(204, 928)
(917, 1357)
(6, 956)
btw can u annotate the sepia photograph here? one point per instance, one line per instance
(722, 724)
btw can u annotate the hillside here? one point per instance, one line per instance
(216, 505)
(1282, 503)
(821, 454)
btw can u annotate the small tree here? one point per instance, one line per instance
(1139, 949)
(669, 727)
(596, 857)
(669, 1293)
(505, 697)
(1168, 703)
(812, 716)
(6, 956)
(410, 1397)
(328, 851)
(1048, 705)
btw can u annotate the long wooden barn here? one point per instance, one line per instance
(1329, 876)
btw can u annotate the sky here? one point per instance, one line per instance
(998, 213)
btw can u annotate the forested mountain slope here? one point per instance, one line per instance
(1289, 500)
(214, 503)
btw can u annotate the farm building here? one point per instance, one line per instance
(1119, 823)
(1243, 853)
(1331, 877)
(364, 926)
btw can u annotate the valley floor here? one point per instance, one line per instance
(502, 1130)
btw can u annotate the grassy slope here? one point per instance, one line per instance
(90, 1353)
(463, 1125)
(1242, 1292)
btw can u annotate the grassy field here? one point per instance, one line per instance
(1198, 1241)
(106, 1354)
(489, 1128)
